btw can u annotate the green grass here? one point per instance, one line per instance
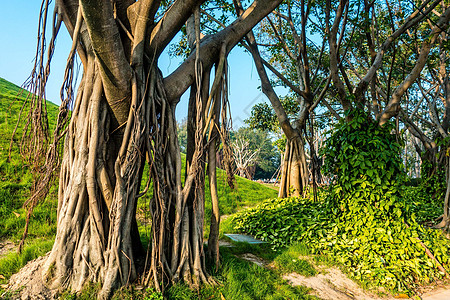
(15, 184)
(90, 291)
(15, 176)
(241, 280)
(237, 279)
(263, 251)
(245, 280)
(246, 194)
(293, 259)
(12, 262)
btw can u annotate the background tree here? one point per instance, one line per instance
(265, 158)
(290, 48)
(403, 54)
(244, 157)
(182, 134)
(122, 118)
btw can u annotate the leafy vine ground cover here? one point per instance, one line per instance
(366, 221)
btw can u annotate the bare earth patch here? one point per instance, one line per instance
(6, 247)
(331, 285)
(27, 283)
(254, 259)
(441, 293)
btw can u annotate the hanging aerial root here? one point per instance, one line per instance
(37, 115)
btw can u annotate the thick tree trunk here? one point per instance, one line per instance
(98, 194)
(294, 172)
(89, 245)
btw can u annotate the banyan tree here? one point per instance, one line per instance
(121, 119)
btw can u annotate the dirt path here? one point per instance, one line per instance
(438, 294)
(331, 284)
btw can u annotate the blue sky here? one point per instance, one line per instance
(19, 19)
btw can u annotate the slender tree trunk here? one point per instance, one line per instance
(445, 222)
(213, 239)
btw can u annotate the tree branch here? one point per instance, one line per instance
(265, 83)
(333, 45)
(413, 19)
(183, 77)
(107, 45)
(170, 24)
(394, 104)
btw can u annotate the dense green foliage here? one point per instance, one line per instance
(388, 254)
(283, 221)
(263, 116)
(364, 221)
(364, 160)
(425, 208)
(433, 180)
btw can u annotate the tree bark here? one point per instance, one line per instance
(294, 174)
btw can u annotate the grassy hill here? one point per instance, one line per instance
(15, 177)
(15, 184)
(16, 181)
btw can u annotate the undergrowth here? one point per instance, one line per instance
(367, 222)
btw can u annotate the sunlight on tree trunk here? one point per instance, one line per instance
(294, 172)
